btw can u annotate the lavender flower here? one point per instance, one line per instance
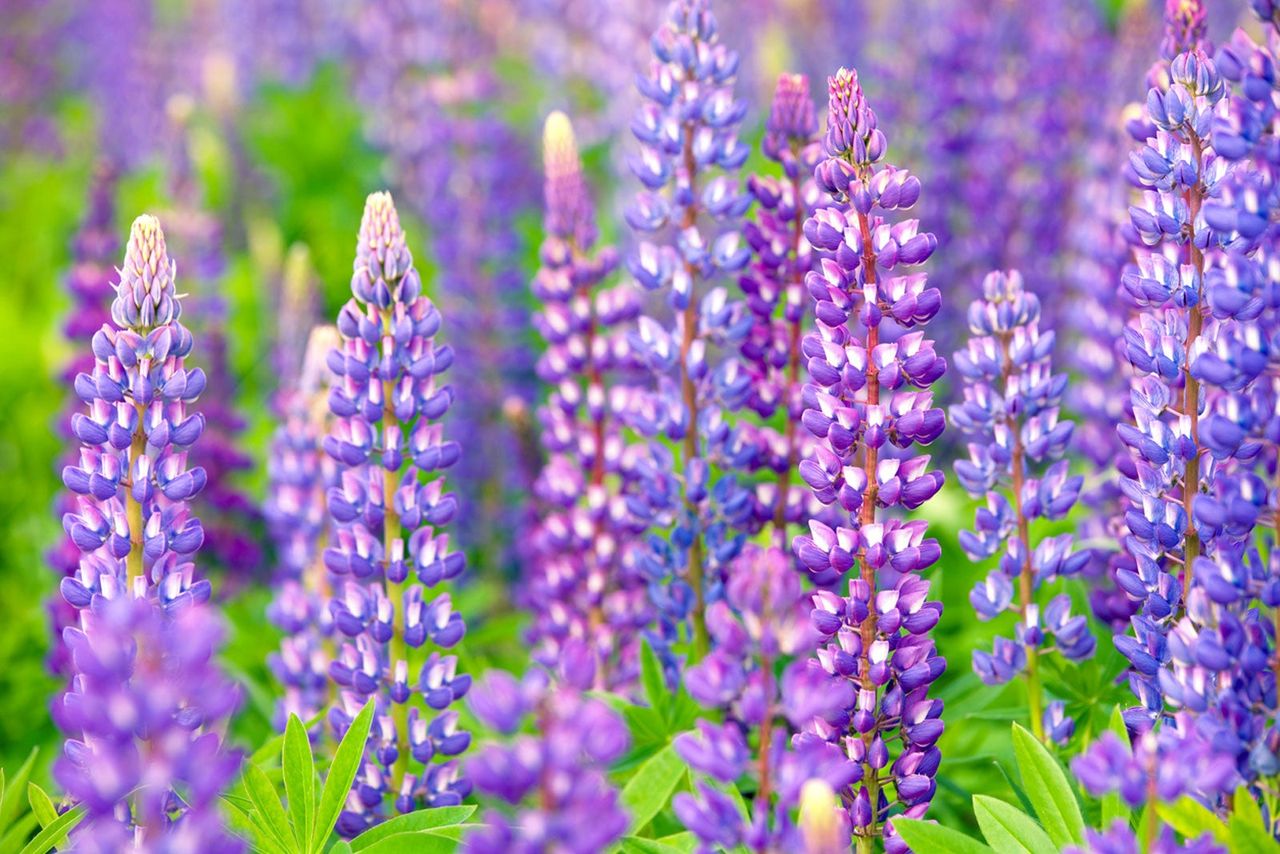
(867, 397)
(1010, 410)
(555, 780)
(387, 405)
(145, 702)
(584, 586)
(298, 475)
(688, 215)
(90, 284)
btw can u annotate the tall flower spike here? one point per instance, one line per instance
(1010, 411)
(688, 217)
(144, 642)
(781, 256)
(388, 550)
(583, 584)
(299, 474)
(868, 402)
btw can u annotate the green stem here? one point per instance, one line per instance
(398, 650)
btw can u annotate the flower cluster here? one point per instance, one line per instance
(143, 686)
(298, 476)
(868, 402)
(688, 217)
(146, 759)
(555, 780)
(585, 586)
(387, 550)
(1010, 410)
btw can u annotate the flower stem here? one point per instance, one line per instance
(1191, 386)
(398, 650)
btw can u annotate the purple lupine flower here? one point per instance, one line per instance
(145, 703)
(688, 217)
(298, 475)
(760, 621)
(555, 781)
(388, 549)
(133, 526)
(91, 287)
(781, 256)
(583, 585)
(1160, 766)
(1010, 411)
(423, 70)
(145, 709)
(869, 403)
(29, 76)
(1122, 839)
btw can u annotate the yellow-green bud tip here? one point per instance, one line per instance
(820, 825)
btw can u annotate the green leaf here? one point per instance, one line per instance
(346, 761)
(923, 835)
(342, 847)
(640, 845)
(1113, 806)
(648, 791)
(56, 832)
(16, 833)
(1246, 809)
(685, 841)
(1244, 837)
(42, 805)
(268, 816)
(413, 843)
(10, 794)
(413, 822)
(1047, 787)
(1009, 830)
(1192, 819)
(300, 784)
(271, 748)
(653, 681)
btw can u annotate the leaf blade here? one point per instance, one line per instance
(342, 772)
(300, 783)
(1008, 829)
(923, 835)
(649, 790)
(1047, 786)
(55, 832)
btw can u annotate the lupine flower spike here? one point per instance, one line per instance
(688, 216)
(146, 704)
(1010, 410)
(585, 587)
(388, 551)
(868, 396)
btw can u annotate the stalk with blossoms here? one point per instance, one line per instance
(585, 586)
(871, 366)
(688, 215)
(1010, 410)
(388, 549)
(298, 475)
(145, 706)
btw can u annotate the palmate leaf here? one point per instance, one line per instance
(346, 761)
(650, 789)
(268, 818)
(1009, 830)
(1046, 785)
(300, 784)
(928, 836)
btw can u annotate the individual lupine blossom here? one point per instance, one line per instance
(761, 621)
(388, 550)
(1010, 412)
(688, 216)
(298, 475)
(781, 256)
(868, 402)
(1120, 838)
(1198, 353)
(145, 702)
(90, 283)
(584, 586)
(554, 779)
